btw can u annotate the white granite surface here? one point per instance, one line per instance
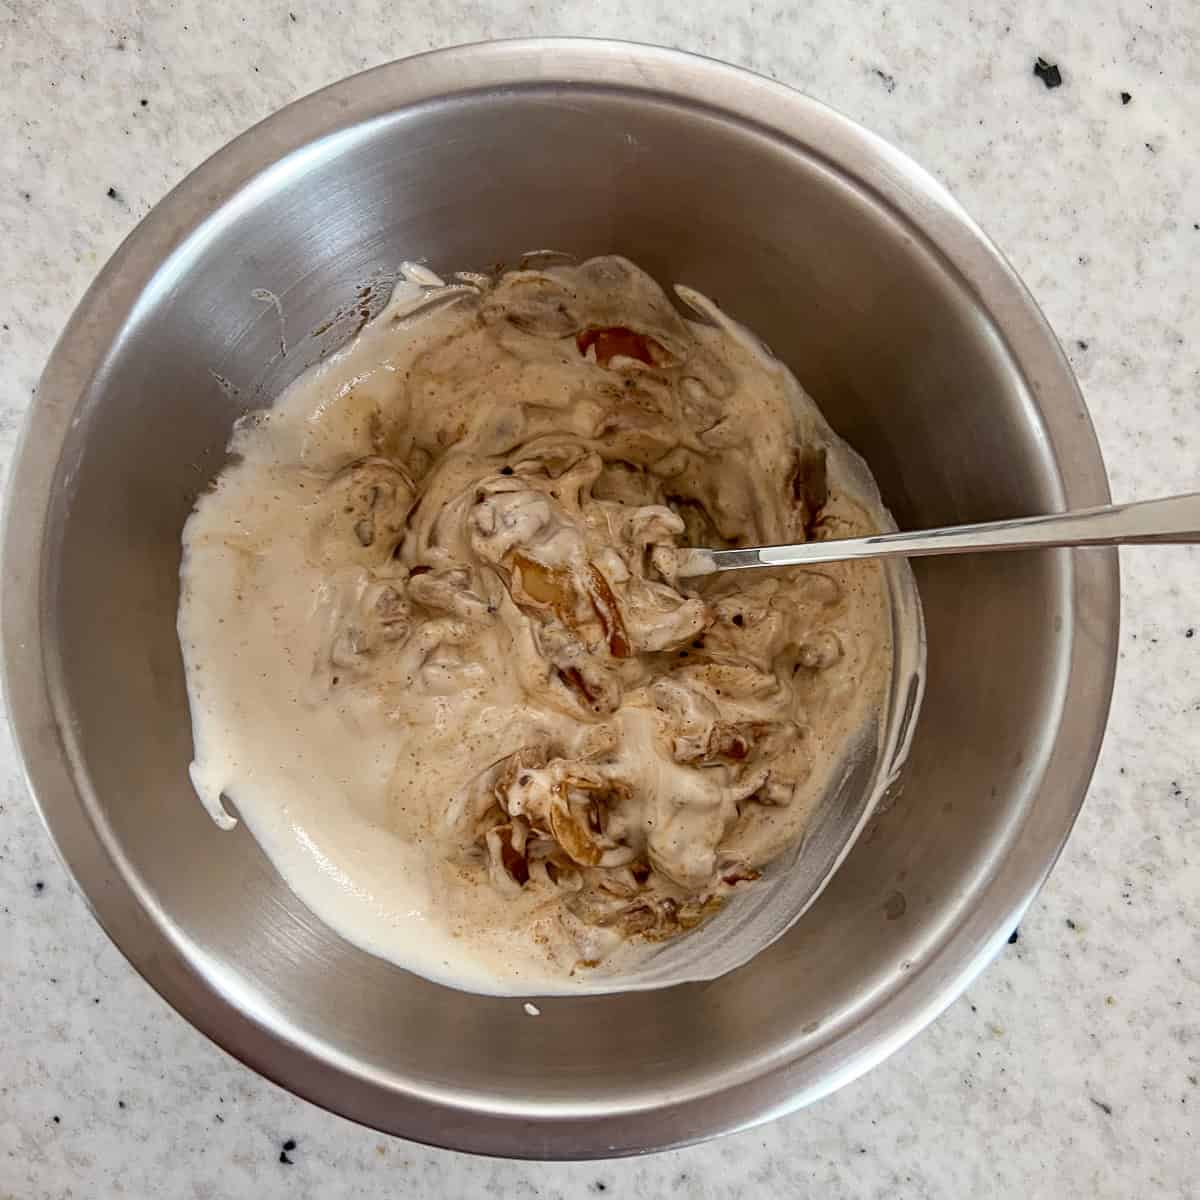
(1071, 1068)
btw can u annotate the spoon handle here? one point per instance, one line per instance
(1171, 519)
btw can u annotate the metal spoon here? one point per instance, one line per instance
(1172, 519)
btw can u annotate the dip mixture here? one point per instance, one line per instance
(441, 662)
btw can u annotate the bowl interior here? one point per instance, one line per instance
(904, 359)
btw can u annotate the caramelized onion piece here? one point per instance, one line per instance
(617, 341)
(544, 585)
(508, 867)
(364, 506)
(604, 603)
(810, 486)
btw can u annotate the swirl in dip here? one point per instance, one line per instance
(438, 654)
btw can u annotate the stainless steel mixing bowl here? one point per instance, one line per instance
(892, 308)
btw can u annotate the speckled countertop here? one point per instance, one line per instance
(1072, 1067)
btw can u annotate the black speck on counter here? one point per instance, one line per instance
(888, 81)
(57, 1120)
(1189, 633)
(291, 16)
(1048, 72)
(290, 1144)
(1082, 344)
(113, 194)
(1014, 937)
(1106, 1109)
(283, 1158)
(1126, 97)
(288, 1147)
(120, 1103)
(144, 103)
(1149, 146)
(599, 1186)
(1071, 924)
(40, 886)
